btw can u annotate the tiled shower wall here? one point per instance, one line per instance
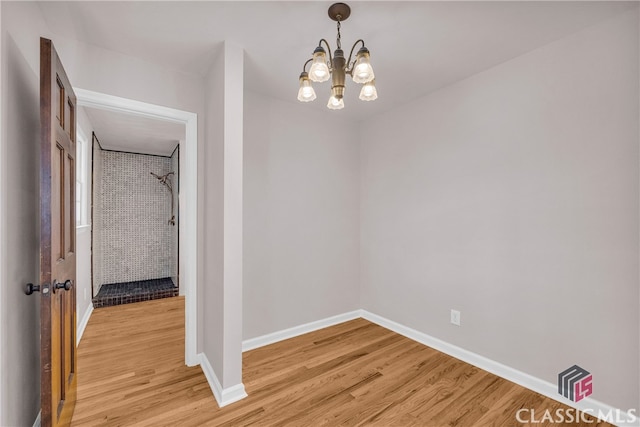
(132, 230)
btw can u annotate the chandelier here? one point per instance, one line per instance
(337, 67)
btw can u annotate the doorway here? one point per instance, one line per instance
(135, 209)
(187, 199)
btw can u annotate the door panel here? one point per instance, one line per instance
(57, 241)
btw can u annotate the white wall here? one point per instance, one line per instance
(97, 69)
(19, 216)
(212, 297)
(222, 292)
(2, 207)
(83, 233)
(83, 275)
(233, 208)
(301, 232)
(512, 196)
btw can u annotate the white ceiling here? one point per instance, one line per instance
(125, 132)
(416, 47)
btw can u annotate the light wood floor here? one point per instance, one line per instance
(131, 372)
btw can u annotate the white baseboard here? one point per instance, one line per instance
(82, 325)
(224, 396)
(591, 406)
(38, 420)
(284, 334)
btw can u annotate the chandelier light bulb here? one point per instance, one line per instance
(369, 92)
(362, 69)
(335, 103)
(306, 92)
(319, 71)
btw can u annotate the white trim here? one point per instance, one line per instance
(181, 201)
(38, 420)
(82, 163)
(102, 101)
(189, 186)
(285, 334)
(2, 225)
(82, 325)
(530, 382)
(224, 396)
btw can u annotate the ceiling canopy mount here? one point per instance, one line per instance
(339, 11)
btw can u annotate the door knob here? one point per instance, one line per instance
(66, 285)
(31, 288)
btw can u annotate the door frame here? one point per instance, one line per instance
(188, 198)
(2, 211)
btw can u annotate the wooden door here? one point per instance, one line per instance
(57, 241)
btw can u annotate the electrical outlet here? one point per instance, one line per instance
(455, 317)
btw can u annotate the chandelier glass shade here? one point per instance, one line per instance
(369, 92)
(319, 69)
(306, 92)
(336, 67)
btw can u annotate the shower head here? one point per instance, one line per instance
(166, 181)
(163, 179)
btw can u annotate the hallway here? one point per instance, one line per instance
(131, 366)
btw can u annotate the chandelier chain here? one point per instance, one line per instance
(339, 35)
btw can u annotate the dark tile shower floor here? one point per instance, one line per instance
(143, 290)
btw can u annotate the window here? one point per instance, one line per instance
(82, 179)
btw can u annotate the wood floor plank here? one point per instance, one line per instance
(131, 372)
